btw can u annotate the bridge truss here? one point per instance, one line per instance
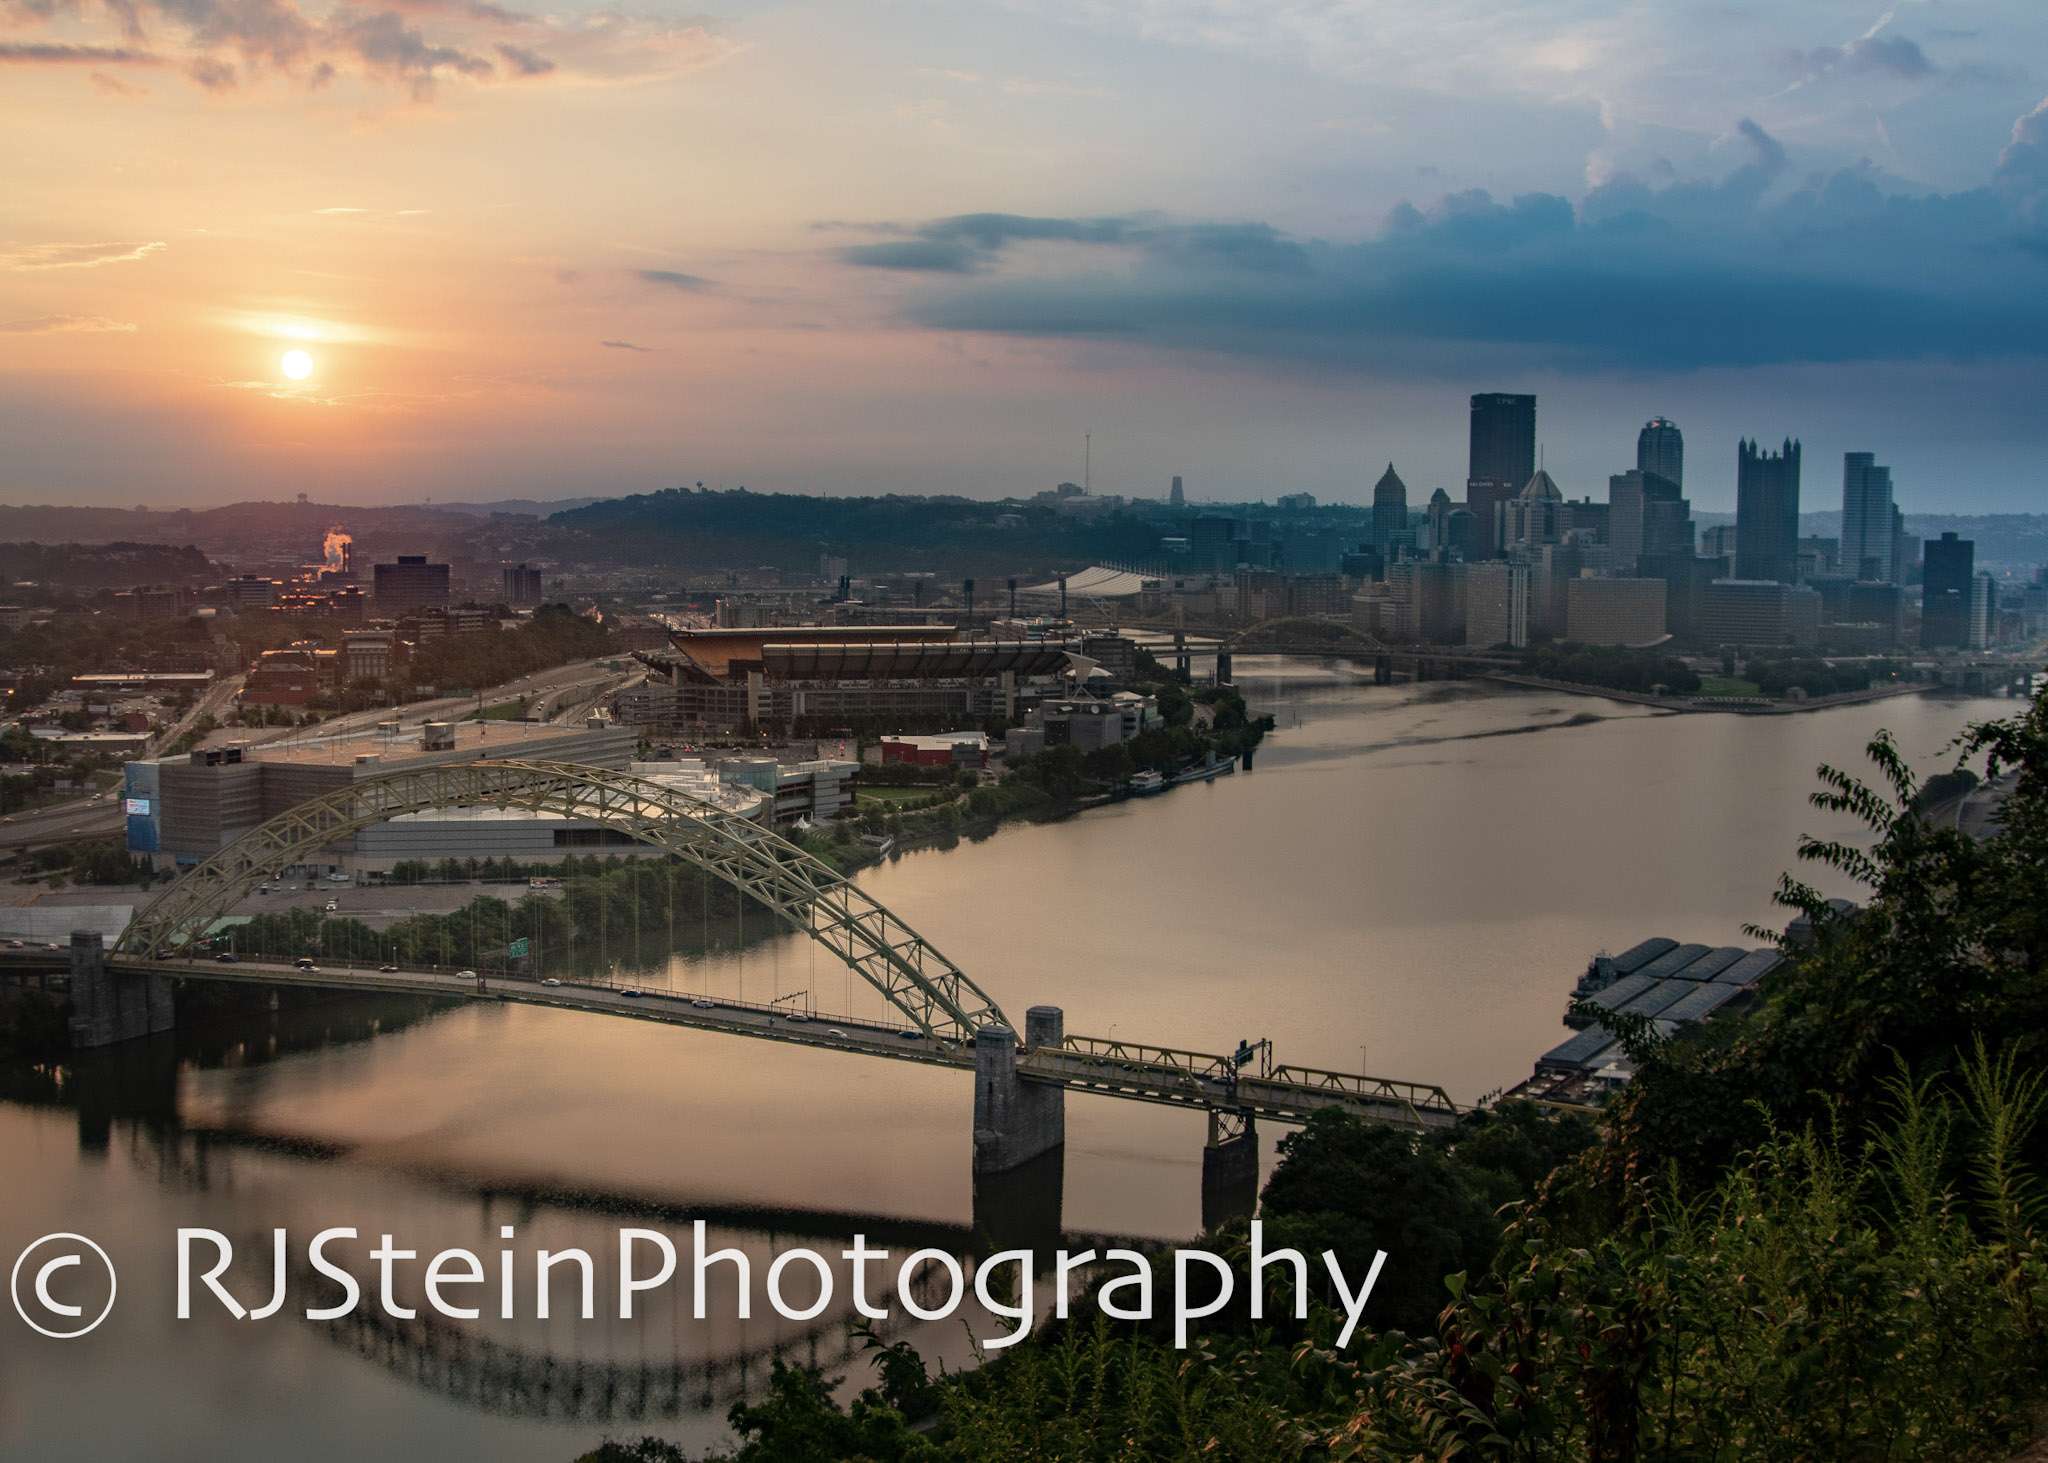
(805, 893)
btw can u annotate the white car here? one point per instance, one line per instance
(704, 1004)
(551, 981)
(835, 1031)
(465, 975)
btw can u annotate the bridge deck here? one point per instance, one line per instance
(1131, 1070)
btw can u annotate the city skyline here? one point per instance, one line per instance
(861, 250)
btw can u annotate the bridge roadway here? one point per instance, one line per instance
(1126, 1069)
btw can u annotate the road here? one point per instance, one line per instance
(579, 684)
(82, 820)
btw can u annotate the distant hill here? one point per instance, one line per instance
(789, 531)
(526, 507)
(104, 566)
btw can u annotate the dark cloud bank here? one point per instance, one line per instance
(1755, 268)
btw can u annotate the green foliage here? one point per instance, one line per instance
(1612, 666)
(1945, 786)
(35, 1027)
(1774, 677)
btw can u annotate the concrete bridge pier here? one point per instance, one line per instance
(1230, 1169)
(1020, 1137)
(1383, 670)
(108, 1006)
(1222, 667)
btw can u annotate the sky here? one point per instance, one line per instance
(931, 246)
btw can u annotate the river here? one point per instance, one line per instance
(1409, 880)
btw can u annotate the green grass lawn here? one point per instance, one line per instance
(1727, 686)
(509, 711)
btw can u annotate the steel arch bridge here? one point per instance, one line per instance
(804, 892)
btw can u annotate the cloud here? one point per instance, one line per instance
(694, 284)
(525, 62)
(61, 324)
(114, 86)
(52, 54)
(1872, 54)
(1751, 267)
(74, 256)
(627, 345)
(972, 241)
(412, 45)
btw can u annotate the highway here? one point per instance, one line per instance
(82, 819)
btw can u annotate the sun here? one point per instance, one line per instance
(296, 364)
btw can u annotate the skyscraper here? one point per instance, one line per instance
(1503, 459)
(1389, 511)
(522, 585)
(1647, 516)
(1767, 512)
(1439, 511)
(1945, 599)
(1175, 498)
(1869, 545)
(1660, 448)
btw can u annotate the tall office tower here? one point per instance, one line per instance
(522, 585)
(1389, 511)
(1660, 448)
(1213, 543)
(1440, 506)
(1767, 512)
(1945, 597)
(410, 584)
(1503, 459)
(1176, 498)
(1869, 547)
(1983, 611)
(1647, 517)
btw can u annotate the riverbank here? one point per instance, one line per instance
(1743, 705)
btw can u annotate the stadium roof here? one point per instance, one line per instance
(1098, 582)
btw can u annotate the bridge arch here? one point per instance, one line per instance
(805, 893)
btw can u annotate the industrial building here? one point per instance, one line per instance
(181, 810)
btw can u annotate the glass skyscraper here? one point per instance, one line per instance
(1660, 448)
(1869, 541)
(1502, 461)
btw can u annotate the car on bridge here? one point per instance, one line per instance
(465, 975)
(224, 958)
(550, 981)
(704, 1003)
(387, 970)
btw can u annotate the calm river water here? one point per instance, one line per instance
(1411, 878)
